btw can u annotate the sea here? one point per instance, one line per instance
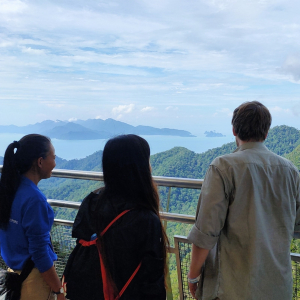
(77, 149)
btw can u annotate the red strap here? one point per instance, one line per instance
(114, 220)
(107, 284)
(94, 242)
(128, 281)
(88, 243)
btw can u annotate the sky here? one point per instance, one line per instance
(175, 64)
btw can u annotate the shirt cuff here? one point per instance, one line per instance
(201, 239)
(297, 232)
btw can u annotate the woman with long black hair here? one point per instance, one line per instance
(121, 244)
(26, 217)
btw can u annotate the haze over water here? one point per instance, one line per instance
(76, 149)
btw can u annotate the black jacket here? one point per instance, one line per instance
(136, 237)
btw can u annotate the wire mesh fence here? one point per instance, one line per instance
(185, 257)
(296, 280)
(63, 244)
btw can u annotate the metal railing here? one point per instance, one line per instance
(159, 180)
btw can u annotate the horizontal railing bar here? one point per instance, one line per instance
(78, 174)
(177, 217)
(63, 222)
(188, 183)
(295, 257)
(64, 204)
(181, 239)
(164, 215)
(159, 180)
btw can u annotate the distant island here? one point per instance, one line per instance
(213, 134)
(92, 129)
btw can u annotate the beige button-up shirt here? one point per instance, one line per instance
(248, 209)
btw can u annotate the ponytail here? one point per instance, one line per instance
(15, 164)
(9, 183)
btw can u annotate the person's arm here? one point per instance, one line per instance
(211, 217)
(39, 245)
(198, 257)
(53, 281)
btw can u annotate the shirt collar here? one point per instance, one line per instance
(251, 145)
(27, 181)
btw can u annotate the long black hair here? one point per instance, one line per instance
(126, 170)
(16, 163)
(127, 175)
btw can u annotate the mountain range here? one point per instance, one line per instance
(91, 129)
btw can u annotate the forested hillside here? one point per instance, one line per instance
(294, 156)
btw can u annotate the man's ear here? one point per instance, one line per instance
(233, 131)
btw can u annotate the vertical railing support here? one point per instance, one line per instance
(167, 207)
(168, 279)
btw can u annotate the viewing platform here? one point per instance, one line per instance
(180, 248)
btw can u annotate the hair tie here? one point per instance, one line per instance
(16, 144)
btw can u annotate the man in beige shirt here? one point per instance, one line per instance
(247, 213)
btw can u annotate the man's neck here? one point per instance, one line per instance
(240, 142)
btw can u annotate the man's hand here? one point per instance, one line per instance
(193, 288)
(198, 257)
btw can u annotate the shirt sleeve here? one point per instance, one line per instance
(297, 221)
(212, 210)
(36, 225)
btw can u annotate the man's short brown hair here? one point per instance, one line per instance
(251, 121)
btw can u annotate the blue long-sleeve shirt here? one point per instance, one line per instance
(28, 231)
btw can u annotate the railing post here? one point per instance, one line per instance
(168, 281)
(167, 207)
(178, 264)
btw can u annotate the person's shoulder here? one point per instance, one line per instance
(30, 193)
(146, 216)
(284, 162)
(225, 161)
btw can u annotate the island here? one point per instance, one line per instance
(213, 134)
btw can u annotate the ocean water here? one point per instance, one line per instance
(76, 149)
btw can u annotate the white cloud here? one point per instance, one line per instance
(30, 50)
(171, 108)
(123, 109)
(147, 108)
(291, 66)
(224, 111)
(11, 6)
(53, 104)
(72, 119)
(277, 109)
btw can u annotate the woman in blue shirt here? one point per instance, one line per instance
(26, 217)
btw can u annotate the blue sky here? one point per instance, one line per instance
(177, 64)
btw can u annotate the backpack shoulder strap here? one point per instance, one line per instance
(107, 285)
(114, 220)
